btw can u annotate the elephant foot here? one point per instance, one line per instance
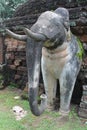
(50, 107)
(62, 119)
(64, 113)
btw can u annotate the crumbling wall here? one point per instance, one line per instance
(16, 60)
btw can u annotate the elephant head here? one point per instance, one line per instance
(49, 31)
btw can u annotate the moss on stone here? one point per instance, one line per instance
(81, 51)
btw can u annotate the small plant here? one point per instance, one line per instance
(12, 85)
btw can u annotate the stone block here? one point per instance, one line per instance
(17, 62)
(21, 68)
(83, 38)
(84, 87)
(82, 113)
(85, 93)
(17, 76)
(12, 67)
(83, 105)
(84, 98)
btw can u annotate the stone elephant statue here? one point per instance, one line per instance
(51, 43)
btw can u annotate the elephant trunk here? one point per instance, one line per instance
(33, 54)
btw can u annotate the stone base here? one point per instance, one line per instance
(82, 113)
(83, 105)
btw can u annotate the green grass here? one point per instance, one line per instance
(47, 121)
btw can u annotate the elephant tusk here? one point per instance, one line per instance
(35, 36)
(43, 100)
(16, 36)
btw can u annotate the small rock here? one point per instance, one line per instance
(17, 97)
(86, 122)
(19, 112)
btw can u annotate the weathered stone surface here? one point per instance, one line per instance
(82, 113)
(17, 77)
(83, 38)
(1, 50)
(27, 14)
(85, 92)
(84, 87)
(10, 56)
(23, 21)
(13, 67)
(83, 105)
(78, 12)
(21, 68)
(35, 6)
(84, 98)
(17, 62)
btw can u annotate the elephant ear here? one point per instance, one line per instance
(64, 13)
(33, 55)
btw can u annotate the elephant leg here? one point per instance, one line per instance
(67, 82)
(50, 84)
(65, 95)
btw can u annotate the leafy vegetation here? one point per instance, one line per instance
(47, 121)
(7, 7)
(81, 51)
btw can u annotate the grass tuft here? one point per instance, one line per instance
(47, 121)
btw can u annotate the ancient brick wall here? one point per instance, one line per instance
(16, 61)
(39, 6)
(1, 50)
